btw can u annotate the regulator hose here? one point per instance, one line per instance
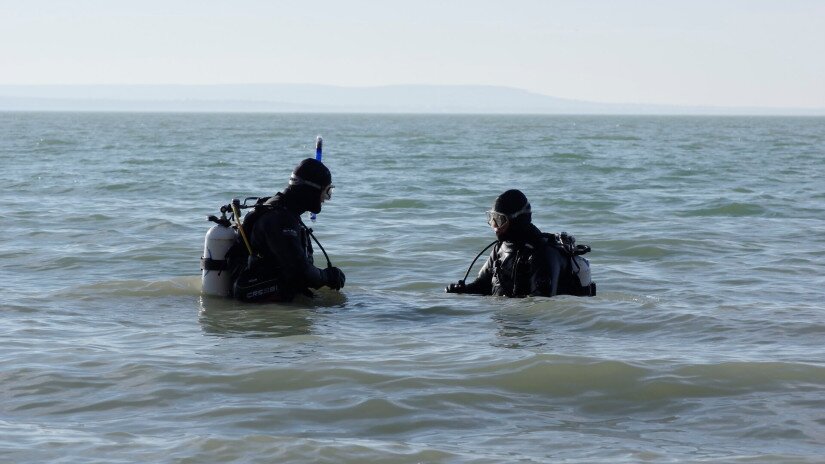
(462, 281)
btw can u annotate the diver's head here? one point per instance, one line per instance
(310, 184)
(510, 212)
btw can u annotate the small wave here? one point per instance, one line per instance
(559, 376)
(19, 308)
(8, 255)
(563, 376)
(122, 186)
(401, 203)
(583, 318)
(646, 251)
(727, 210)
(56, 142)
(143, 161)
(569, 156)
(792, 144)
(441, 310)
(261, 448)
(754, 376)
(179, 286)
(616, 138)
(658, 248)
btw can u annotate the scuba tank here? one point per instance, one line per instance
(216, 278)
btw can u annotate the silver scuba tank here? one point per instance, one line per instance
(216, 280)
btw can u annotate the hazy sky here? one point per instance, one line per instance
(697, 52)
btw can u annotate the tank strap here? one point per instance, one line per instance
(209, 264)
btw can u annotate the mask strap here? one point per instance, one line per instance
(295, 180)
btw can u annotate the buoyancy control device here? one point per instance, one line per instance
(579, 265)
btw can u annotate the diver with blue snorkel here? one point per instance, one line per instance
(269, 257)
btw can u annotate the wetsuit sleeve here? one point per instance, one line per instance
(483, 283)
(283, 240)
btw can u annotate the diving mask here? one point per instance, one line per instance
(498, 220)
(326, 192)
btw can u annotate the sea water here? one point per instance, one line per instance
(706, 341)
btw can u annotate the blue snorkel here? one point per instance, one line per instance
(319, 145)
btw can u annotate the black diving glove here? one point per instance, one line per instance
(334, 278)
(456, 288)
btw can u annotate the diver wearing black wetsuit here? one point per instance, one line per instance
(282, 241)
(522, 263)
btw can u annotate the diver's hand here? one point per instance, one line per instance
(456, 288)
(334, 278)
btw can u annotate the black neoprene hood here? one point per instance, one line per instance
(313, 171)
(510, 202)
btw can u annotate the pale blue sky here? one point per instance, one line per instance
(721, 53)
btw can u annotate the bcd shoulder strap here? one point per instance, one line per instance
(260, 208)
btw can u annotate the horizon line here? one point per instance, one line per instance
(660, 107)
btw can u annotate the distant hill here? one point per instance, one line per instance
(330, 99)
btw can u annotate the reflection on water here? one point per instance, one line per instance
(227, 318)
(517, 331)
(264, 322)
(224, 317)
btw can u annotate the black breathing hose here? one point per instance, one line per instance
(462, 281)
(329, 264)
